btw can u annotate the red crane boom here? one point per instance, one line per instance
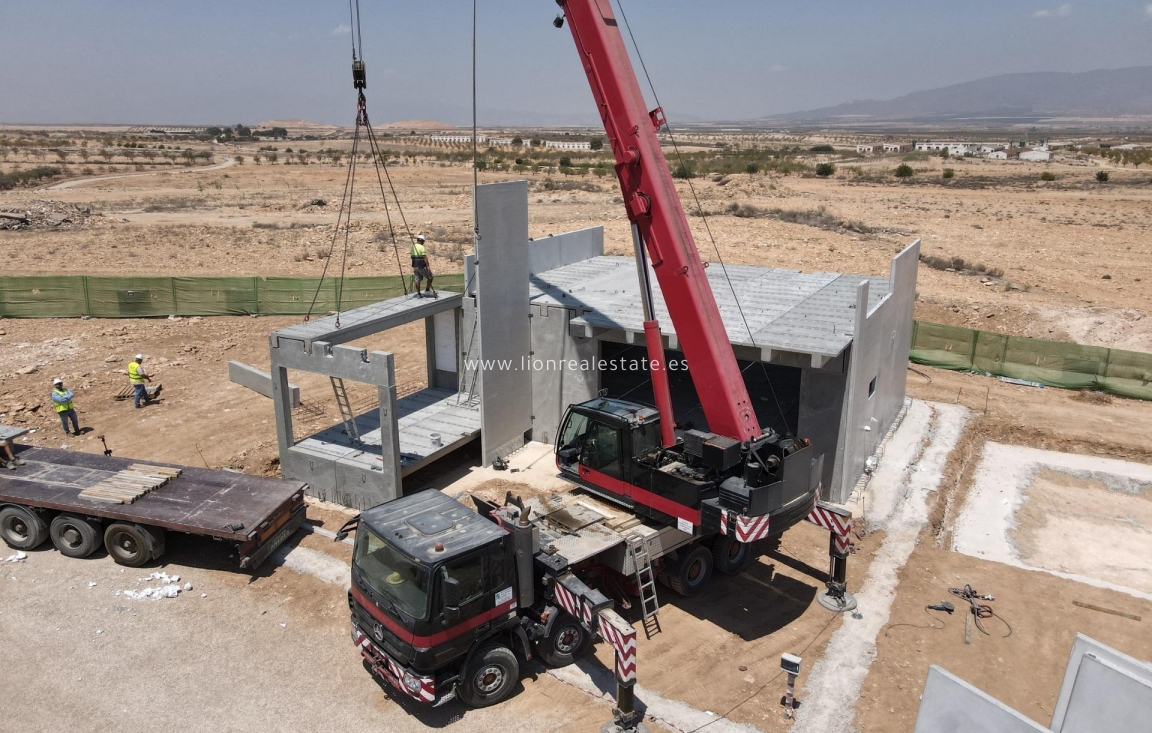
(661, 227)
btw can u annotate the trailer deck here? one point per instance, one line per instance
(259, 513)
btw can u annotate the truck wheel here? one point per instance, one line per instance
(491, 674)
(21, 528)
(730, 556)
(74, 536)
(132, 544)
(690, 573)
(565, 643)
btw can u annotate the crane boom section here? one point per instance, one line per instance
(654, 207)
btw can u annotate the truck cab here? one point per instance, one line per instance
(612, 448)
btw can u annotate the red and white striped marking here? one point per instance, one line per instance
(748, 529)
(836, 521)
(390, 670)
(622, 636)
(567, 600)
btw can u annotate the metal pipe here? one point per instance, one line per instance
(661, 392)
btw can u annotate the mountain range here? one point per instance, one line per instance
(1091, 94)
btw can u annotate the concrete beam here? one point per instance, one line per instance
(342, 362)
(258, 381)
(366, 321)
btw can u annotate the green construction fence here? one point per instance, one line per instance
(1051, 363)
(73, 296)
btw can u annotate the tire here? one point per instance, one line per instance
(565, 643)
(74, 536)
(132, 545)
(489, 676)
(690, 573)
(22, 529)
(730, 556)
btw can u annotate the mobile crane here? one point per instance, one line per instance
(443, 598)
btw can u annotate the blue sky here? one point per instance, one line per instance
(209, 61)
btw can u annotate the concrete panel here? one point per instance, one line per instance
(258, 381)
(951, 705)
(822, 397)
(502, 299)
(312, 467)
(558, 250)
(1107, 698)
(1082, 648)
(877, 368)
(558, 374)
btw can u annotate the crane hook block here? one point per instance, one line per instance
(359, 74)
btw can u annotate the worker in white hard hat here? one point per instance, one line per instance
(137, 377)
(420, 267)
(62, 397)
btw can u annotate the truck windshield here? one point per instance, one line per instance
(397, 578)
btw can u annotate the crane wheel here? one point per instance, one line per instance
(489, 676)
(690, 573)
(21, 528)
(133, 544)
(729, 556)
(74, 536)
(565, 643)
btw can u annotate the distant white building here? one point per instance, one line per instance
(567, 145)
(457, 138)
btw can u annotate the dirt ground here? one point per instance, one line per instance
(1076, 258)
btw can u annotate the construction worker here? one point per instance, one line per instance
(420, 268)
(12, 461)
(63, 399)
(137, 377)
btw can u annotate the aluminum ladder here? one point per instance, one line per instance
(345, 408)
(645, 582)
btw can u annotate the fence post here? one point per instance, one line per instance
(87, 299)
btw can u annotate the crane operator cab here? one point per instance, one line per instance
(611, 448)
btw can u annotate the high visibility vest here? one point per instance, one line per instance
(62, 406)
(134, 373)
(419, 255)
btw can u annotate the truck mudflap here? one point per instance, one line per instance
(416, 686)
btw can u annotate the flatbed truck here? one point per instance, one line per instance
(42, 500)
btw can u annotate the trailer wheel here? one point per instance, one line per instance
(565, 643)
(133, 544)
(74, 536)
(21, 528)
(491, 674)
(730, 556)
(689, 573)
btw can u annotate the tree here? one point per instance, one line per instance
(1102, 176)
(597, 143)
(904, 171)
(825, 169)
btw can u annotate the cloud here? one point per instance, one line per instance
(1061, 12)
(342, 30)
